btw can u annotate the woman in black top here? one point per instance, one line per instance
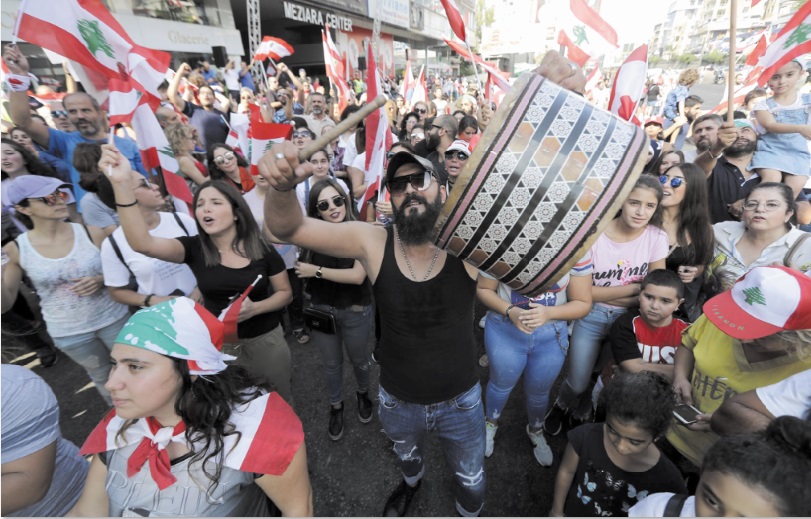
(226, 256)
(339, 287)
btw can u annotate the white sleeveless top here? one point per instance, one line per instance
(64, 312)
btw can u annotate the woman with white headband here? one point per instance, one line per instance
(190, 435)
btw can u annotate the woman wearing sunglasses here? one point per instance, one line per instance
(63, 262)
(686, 221)
(407, 126)
(226, 164)
(766, 235)
(226, 257)
(339, 287)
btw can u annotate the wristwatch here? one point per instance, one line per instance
(318, 273)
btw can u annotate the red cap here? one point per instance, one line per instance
(763, 302)
(655, 120)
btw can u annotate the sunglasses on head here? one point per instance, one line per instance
(674, 182)
(419, 181)
(421, 110)
(54, 198)
(59, 113)
(228, 155)
(323, 205)
(461, 155)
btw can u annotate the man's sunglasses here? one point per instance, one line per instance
(419, 181)
(461, 155)
(228, 155)
(337, 201)
(59, 113)
(674, 182)
(54, 198)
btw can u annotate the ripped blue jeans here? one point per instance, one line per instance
(459, 424)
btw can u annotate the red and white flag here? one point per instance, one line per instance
(739, 96)
(455, 19)
(629, 84)
(334, 65)
(273, 48)
(498, 78)
(262, 136)
(238, 133)
(757, 51)
(594, 78)
(420, 93)
(378, 134)
(585, 33)
(230, 314)
(85, 32)
(122, 102)
(791, 42)
(270, 433)
(408, 83)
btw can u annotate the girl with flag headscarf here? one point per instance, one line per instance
(190, 435)
(226, 257)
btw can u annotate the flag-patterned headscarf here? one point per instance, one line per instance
(182, 329)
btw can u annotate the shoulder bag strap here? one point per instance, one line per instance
(180, 223)
(118, 253)
(796, 245)
(675, 505)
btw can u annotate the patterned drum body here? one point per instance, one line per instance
(548, 175)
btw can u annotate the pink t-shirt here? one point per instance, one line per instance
(620, 264)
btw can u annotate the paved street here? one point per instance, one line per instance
(355, 475)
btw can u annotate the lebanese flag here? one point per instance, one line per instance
(333, 62)
(262, 136)
(757, 52)
(420, 93)
(455, 18)
(790, 43)
(738, 96)
(408, 83)
(238, 133)
(230, 314)
(273, 48)
(270, 433)
(156, 152)
(595, 76)
(498, 77)
(378, 135)
(585, 34)
(629, 84)
(122, 102)
(85, 32)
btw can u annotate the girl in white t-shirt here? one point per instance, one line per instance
(632, 245)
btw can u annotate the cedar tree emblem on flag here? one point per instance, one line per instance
(800, 35)
(94, 38)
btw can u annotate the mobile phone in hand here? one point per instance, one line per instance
(686, 414)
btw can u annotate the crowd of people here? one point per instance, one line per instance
(682, 337)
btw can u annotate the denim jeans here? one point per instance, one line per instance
(459, 424)
(91, 351)
(538, 356)
(352, 327)
(587, 339)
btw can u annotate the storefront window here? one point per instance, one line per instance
(187, 11)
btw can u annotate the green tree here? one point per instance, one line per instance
(686, 58)
(654, 60)
(714, 57)
(485, 16)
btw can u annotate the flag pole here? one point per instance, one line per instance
(20, 11)
(475, 68)
(733, 30)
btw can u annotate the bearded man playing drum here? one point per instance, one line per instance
(429, 378)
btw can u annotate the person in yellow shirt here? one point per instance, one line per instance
(754, 335)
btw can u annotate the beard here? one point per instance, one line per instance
(739, 150)
(415, 229)
(703, 145)
(432, 141)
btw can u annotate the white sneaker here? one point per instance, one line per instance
(490, 439)
(542, 451)
(482, 321)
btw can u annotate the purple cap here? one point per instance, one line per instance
(32, 186)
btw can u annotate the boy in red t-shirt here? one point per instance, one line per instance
(646, 339)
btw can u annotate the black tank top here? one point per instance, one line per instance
(427, 350)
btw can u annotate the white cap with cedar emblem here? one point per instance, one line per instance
(763, 302)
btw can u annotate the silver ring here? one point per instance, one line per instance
(279, 156)
(574, 69)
